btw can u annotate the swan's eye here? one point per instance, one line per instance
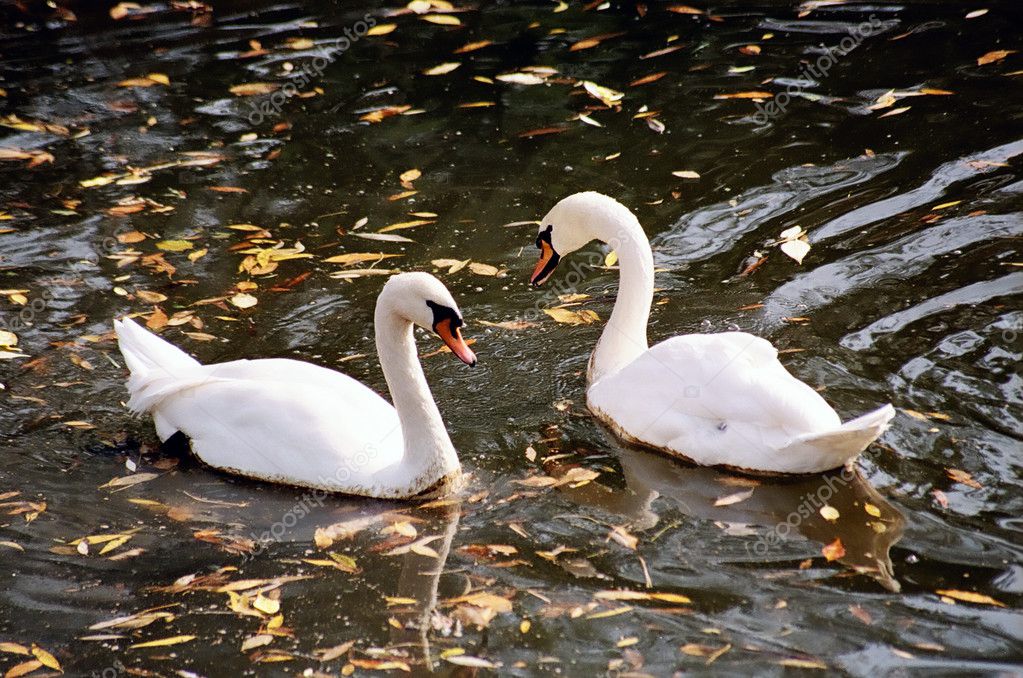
(544, 237)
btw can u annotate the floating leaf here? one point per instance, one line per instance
(521, 78)
(992, 57)
(484, 269)
(834, 550)
(442, 19)
(684, 9)
(162, 642)
(358, 258)
(406, 224)
(253, 89)
(962, 477)
(128, 481)
(442, 69)
(243, 300)
(473, 46)
(46, 659)
(686, 174)
(745, 95)
(734, 498)
(829, 513)
(796, 249)
(381, 29)
(969, 597)
(175, 245)
(570, 317)
(453, 265)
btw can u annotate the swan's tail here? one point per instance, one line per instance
(157, 367)
(835, 448)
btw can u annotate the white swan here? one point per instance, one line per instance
(715, 399)
(295, 423)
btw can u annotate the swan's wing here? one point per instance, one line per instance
(711, 396)
(284, 421)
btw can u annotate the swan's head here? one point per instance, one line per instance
(422, 299)
(571, 224)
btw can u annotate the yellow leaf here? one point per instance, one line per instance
(406, 224)
(23, 668)
(611, 259)
(357, 258)
(610, 613)
(252, 89)
(473, 46)
(13, 648)
(8, 339)
(570, 317)
(872, 510)
(162, 642)
(969, 597)
(159, 78)
(480, 268)
(686, 174)
(442, 69)
(829, 513)
(174, 245)
(442, 19)
(266, 605)
(47, 659)
(381, 29)
(410, 175)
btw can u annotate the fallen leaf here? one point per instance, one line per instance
(829, 513)
(128, 481)
(969, 597)
(358, 258)
(175, 245)
(381, 29)
(253, 89)
(570, 317)
(686, 174)
(962, 477)
(442, 69)
(442, 19)
(745, 95)
(834, 550)
(734, 498)
(162, 642)
(243, 300)
(992, 57)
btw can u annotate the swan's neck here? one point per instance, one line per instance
(429, 455)
(624, 337)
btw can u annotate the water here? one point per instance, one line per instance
(910, 294)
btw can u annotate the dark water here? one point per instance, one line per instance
(910, 294)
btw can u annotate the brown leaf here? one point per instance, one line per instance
(992, 57)
(962, 477)
(745, 95)
(647, 79)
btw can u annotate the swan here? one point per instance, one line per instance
(714, 399)
(296, 423)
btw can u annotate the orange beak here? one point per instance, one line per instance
(452, 338)
(545, 267)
